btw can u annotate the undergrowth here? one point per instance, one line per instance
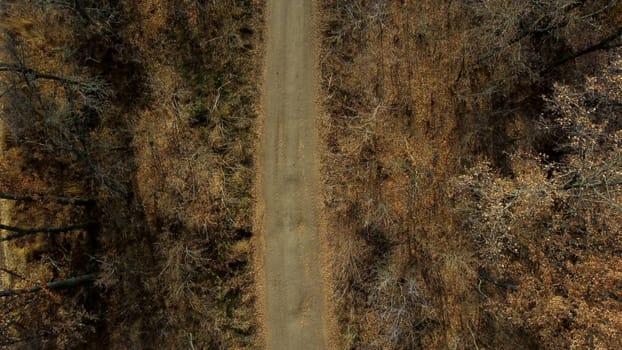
(157, 133)
(418, 93)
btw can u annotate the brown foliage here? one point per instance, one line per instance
(417, 91)
(553, 228)
(386, 137)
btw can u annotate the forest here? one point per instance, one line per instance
(126, 173)
(470, 173)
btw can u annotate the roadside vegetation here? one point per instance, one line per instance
(473, 173)
(126, 173)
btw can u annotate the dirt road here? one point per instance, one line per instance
(292, 286)
(5, 209)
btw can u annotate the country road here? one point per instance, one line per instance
(291, 291)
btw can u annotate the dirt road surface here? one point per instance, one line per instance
(292, 286)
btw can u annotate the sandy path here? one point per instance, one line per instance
(292, 291)
(5, 210)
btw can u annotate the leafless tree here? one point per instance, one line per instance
(20, 305)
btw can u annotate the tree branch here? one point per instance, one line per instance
(602, 45)
(7, 67)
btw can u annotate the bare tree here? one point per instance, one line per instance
(55, 112)
(20, 324)
(519, 41)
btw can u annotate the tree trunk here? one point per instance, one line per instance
(21, 232)
(54, 285)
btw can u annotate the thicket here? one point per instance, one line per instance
(473, 172)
